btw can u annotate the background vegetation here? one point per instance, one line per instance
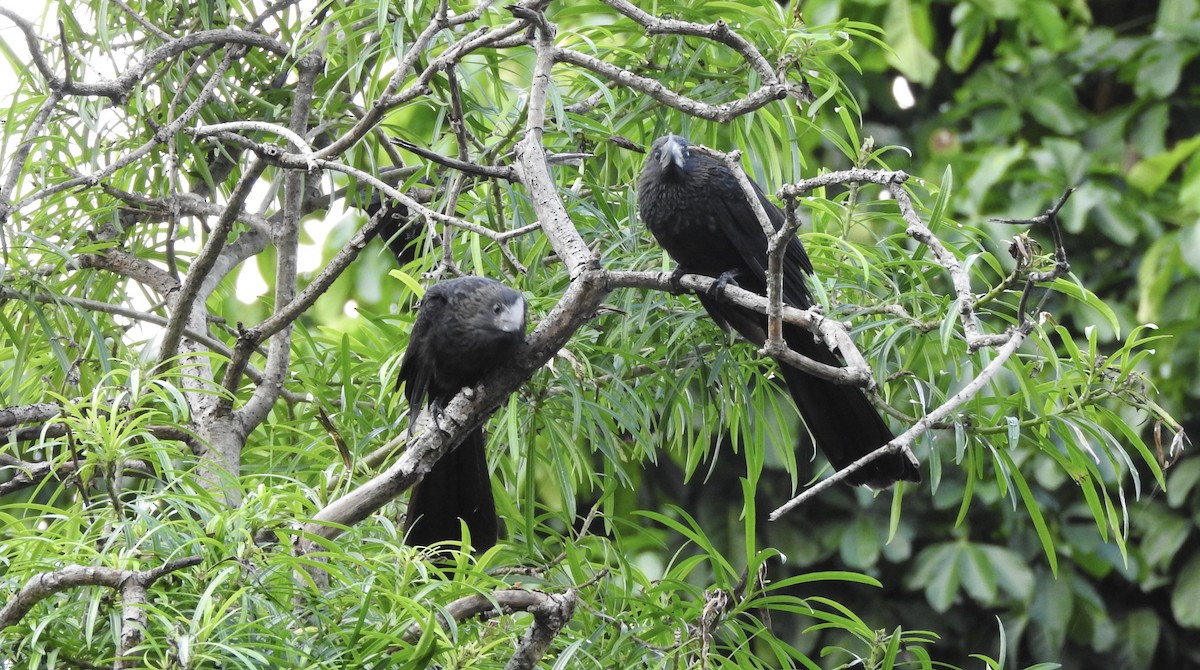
(635, 469)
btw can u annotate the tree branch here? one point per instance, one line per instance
(534, 169)
(719, 32)
(33, 473)
(496, 603)
(904, 442)
(811, 319)
(286, 238)
(46, 584)
(494, 171)
(184, 302)
(549, 618)
(722, 113)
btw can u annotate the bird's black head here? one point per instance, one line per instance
(483, 305)
(671, 155)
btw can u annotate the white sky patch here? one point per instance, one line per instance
(250, 283)
(15, 39)
(309, 255)
(902, 92)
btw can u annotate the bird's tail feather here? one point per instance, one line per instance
(457, 487)
(844, 424)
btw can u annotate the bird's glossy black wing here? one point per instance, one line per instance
(739, 223)
(416, 370)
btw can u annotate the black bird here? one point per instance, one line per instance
(402, 236)
(695, 209)
(465, 328)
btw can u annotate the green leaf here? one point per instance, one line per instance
(1150, 174)
(1035, 511)
(409, 281)
(971, 27)
(938, 573)
(1184, 603)
(1077, 291)
(1056, 109)
(861, 544)
(1138, 638)
(907, 29)
(1160, 67)
(1164, 535)
(978, 576)
(1050, 613)
(1181, 481)
(1046, 21)
(1012, 572)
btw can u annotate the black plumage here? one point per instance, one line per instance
(465, 328)
(698, 213)
(400, 234)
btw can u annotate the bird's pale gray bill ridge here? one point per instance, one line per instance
(673, 152)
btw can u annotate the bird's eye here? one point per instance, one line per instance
(497, 308)
(654, 154)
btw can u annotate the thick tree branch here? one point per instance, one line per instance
(185, 301)
(286, 238)
(36, 413)
(132, 584)
(126, 264)
(30, 474)
(534, 169)
(496, 603)
(549, 618)
(716, 32)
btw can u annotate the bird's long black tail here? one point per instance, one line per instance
(457, 487)
(843, 422)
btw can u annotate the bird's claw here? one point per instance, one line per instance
(726, 279)
(676, 280)
(435, 414)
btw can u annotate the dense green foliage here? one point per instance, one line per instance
(1019, 100)
(639, 464)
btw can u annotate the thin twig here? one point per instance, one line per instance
(495, 171)
(903, 443)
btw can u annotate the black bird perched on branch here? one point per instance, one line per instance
(402, 236)
(465, 328)
(698, 213)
